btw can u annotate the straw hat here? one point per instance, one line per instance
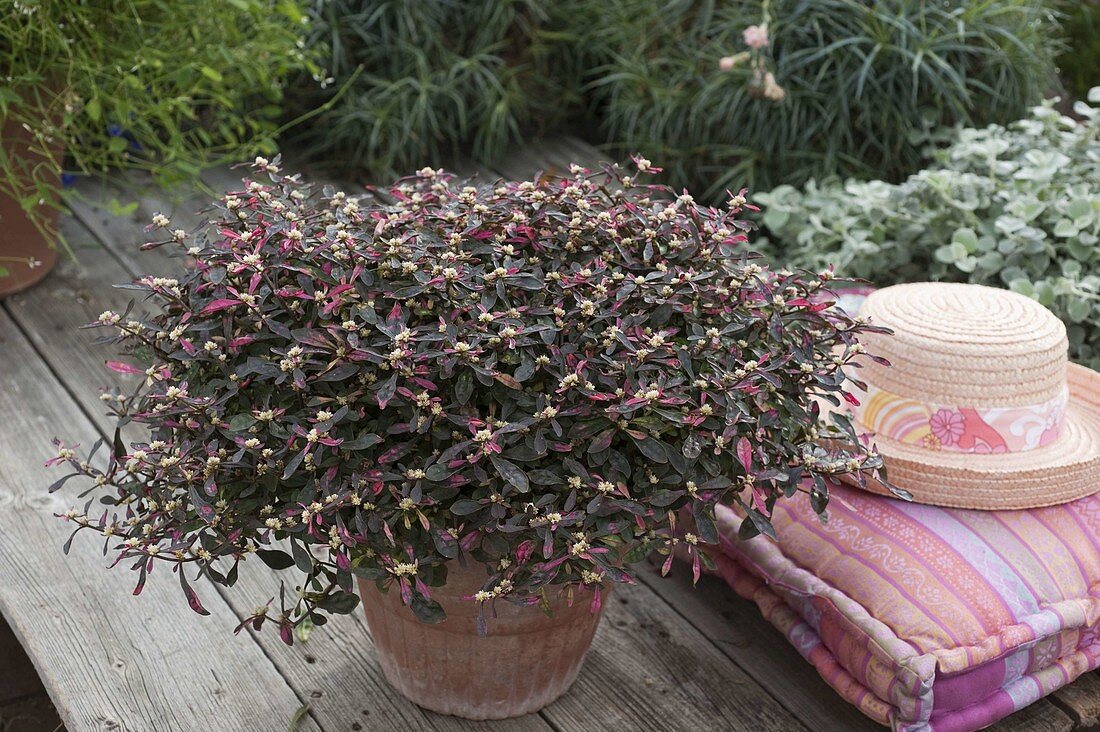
(980, 407)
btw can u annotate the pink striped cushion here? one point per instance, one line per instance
(929, 618)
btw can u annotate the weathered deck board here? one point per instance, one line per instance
(103, 654)
(650, 670)
(741, 632)
(553, 156)
(1081, 700)
(91, 203)
(122, 235)
(75, 294)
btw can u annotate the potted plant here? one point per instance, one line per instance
(188, 84)
(484, 402)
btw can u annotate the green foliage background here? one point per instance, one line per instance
(867, 81)
(162, 85)
(436, 78)
(1079, 62)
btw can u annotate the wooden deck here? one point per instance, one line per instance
(666, 657)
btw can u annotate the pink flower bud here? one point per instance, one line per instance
(756, 36)
(726, 63)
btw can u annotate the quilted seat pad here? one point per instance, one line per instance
(928, 618)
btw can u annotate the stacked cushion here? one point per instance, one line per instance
(928, 618)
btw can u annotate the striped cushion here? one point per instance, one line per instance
(929, 618)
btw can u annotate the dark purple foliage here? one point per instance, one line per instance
(543, 377)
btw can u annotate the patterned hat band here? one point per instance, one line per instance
(986, 430)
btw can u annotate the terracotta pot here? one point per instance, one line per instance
(525, 662)
(26, 254)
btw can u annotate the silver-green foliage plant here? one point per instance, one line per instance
(1015, 207)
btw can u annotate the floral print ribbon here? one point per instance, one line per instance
(961, 429)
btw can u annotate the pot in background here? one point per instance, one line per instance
(27, 254)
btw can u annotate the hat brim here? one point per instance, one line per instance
(1064, 470)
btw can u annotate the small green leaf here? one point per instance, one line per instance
(512, 473)
(747, 530)
(340, 602)
(542, 476)
(1079, 208)
(1044, 293)
(241, 422)
(438, 472)
(299, 715)
(967, 238)
(945, 254)
(275, 559)
(427, 611)
(303, 559)
(1022, 286)
(1065, 228)
(652, 448)
(1079, 250)
(465, 506)
(1079, 310)
(967, 263)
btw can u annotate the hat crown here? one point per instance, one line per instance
(967, 345)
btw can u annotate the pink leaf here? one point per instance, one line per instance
(394, 318)
(123, 368)
(193, 601)
(597, 600)
(219, 305)
(759, 501)
(390, 455)
(523, 551)
(744, 453)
